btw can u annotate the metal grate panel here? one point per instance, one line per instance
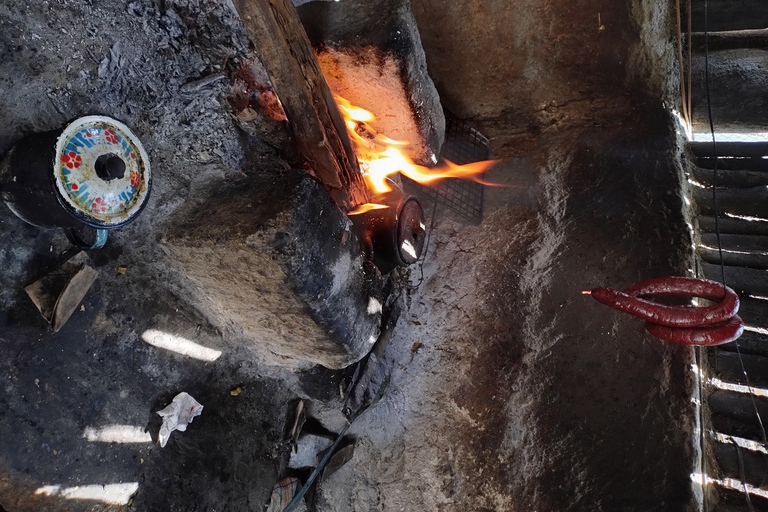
(463, 145)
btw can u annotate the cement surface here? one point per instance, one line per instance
(510, 389)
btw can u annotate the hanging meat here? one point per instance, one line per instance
(688, 325)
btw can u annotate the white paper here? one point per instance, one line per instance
(178, 415)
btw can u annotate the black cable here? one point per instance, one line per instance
(742, 474)
(720, 246)
(714, 142)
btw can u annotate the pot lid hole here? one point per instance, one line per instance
(101, 170)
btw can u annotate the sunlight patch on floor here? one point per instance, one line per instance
(117, 434)
(179, 345)
(113, 494)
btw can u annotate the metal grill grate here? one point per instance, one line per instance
(463, 145)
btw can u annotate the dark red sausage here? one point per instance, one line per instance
(675, 286)
(705, 336)
(631, 301)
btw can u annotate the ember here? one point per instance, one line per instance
(364, 208)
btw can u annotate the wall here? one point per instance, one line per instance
(510, 390)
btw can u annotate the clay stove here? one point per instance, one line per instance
(322, 280)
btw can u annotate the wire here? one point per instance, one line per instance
(375, 400)
(742, 475)
(714, 141)
(720, 246)
(690, 74)
(680, 67)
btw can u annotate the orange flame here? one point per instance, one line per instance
(367, 207)
(380, 157)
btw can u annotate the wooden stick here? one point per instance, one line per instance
(275, 29)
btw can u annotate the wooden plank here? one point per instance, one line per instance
(744, 243)
(749, 343)
(743, 280)
(738, 250)
(730, 225)
(726, 366)
(283, 47)
(751, 202)
(729, 40)
(727, 507)
(734, 259)
(754, 312)
(742, 149)
(750, 163)
(747, 429)
(755, 464)
(730, 178)
(733, 414)
(732, 500)
(729, 15)
(738, 92)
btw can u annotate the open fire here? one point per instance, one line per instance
(381, 157)
(392, 229)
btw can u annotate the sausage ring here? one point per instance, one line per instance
(689, 325)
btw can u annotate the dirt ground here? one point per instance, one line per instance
(509, 389)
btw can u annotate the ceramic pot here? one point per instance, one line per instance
(94, 172)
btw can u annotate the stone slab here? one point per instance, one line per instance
(275, 261)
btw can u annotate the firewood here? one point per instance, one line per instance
(284, 49)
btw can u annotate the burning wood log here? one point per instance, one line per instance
(276, 31)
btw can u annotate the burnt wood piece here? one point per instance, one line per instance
(731, 156)
(738, 250)
(727, 367)
(729, 15)
(738, 89)
(737, 242)
(754, 312)
(749, 343)
(712, 255)
(755, 463)
(734, 414)
(737, 149)
(749, 163)
(282, 45)
(730, 225)
(742, 280)
(757, 38)
(750, 202)
(727, 507)
(731, 500)
(730, 178)
(730, 507)
(734, 501)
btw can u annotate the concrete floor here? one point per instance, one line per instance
(509, 390)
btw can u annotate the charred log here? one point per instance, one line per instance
(276, 31)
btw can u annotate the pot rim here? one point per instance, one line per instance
(76, 211)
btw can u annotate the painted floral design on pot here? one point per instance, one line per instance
(99, 205)
(102, 200)
(72, 160)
